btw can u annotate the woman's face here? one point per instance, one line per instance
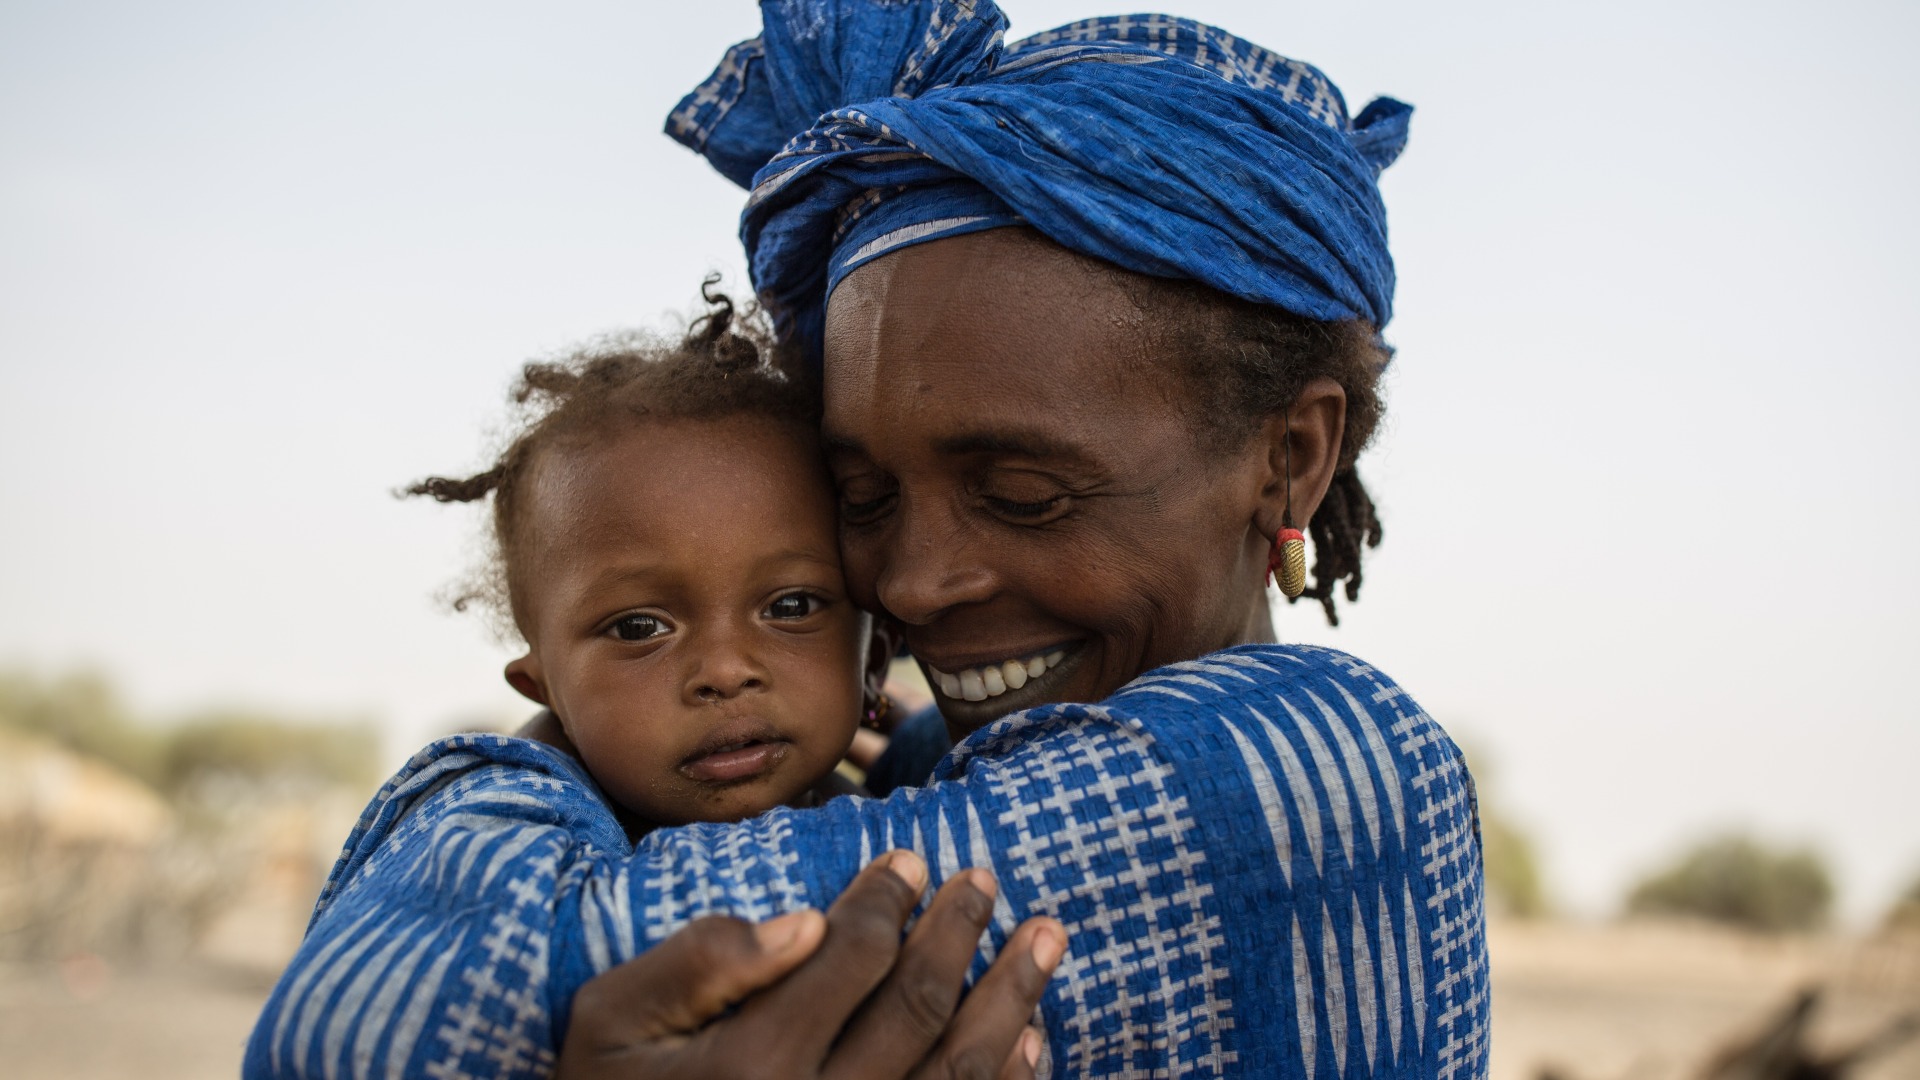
(1021, 487)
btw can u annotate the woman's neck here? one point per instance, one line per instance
(1259, 627)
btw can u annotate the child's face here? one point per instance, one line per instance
(686, 616)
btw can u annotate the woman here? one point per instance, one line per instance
(1063, 475)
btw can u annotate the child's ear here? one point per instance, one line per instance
(883, 644)
(524, 675)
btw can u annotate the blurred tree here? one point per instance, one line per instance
(1904, 916)
(1739, 881)
(228, 747)
(82, 713)
(1514, 883)
(1513, 874)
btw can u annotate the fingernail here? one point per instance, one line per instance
(778, 935)
(909, 868)
(1030, 1047)
(983, 882)
(1049, 945)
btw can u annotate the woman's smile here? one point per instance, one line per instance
(989, 689)
(990, 680)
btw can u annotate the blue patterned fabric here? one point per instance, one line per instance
(1162, 145)
(1267, 862)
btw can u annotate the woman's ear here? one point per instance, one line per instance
(524, 675)
(1302, 448)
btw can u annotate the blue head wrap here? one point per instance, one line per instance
(1162, 145)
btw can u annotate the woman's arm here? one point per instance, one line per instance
(429, 948)
(1268, 857)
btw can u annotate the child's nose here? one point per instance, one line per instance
(724, 669)
(720, 691)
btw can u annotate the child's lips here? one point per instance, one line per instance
(735, 752)
(745, 763)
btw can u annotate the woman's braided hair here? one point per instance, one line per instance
(1246, 361)
(725, 365)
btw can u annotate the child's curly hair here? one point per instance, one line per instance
(725, 365)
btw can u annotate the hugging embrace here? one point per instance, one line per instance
(1064, 337)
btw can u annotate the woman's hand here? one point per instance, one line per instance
(835, 996)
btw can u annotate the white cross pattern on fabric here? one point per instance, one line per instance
(1104, 843)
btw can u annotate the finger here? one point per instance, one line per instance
(909, 1013)
(993, 1019)
(1023, 1062)
(802, 1016)
(692, 977)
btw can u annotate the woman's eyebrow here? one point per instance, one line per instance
(1031, 444)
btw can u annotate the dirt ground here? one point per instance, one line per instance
(1652, 1001)
(1638, 1002)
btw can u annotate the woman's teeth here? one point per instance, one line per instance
(992, 680)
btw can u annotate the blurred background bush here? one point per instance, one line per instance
(1742, 882)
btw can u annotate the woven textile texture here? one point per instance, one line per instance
(1158, 144)
(1267, 862)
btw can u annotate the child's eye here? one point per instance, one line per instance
(637, 628)
(793, 606)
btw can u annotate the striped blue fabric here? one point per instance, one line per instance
(1267, 862)
(1162, 145)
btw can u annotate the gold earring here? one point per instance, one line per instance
(1287, 562)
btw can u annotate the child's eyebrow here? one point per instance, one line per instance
(791, 555)
(619, 575)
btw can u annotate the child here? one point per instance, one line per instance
(665, 543)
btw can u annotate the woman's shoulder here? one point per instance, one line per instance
(1313, 707)
(1319, 692)
(1322, 744)
(1245, 670)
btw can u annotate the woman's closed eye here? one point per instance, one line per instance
(864, 498)
(638, 627)
(1024, 499)
(1027, 512)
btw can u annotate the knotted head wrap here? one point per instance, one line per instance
(1161, 145)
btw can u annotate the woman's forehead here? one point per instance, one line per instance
(1011, 322)
(1005, 267)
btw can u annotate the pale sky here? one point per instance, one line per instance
(1646, 479)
